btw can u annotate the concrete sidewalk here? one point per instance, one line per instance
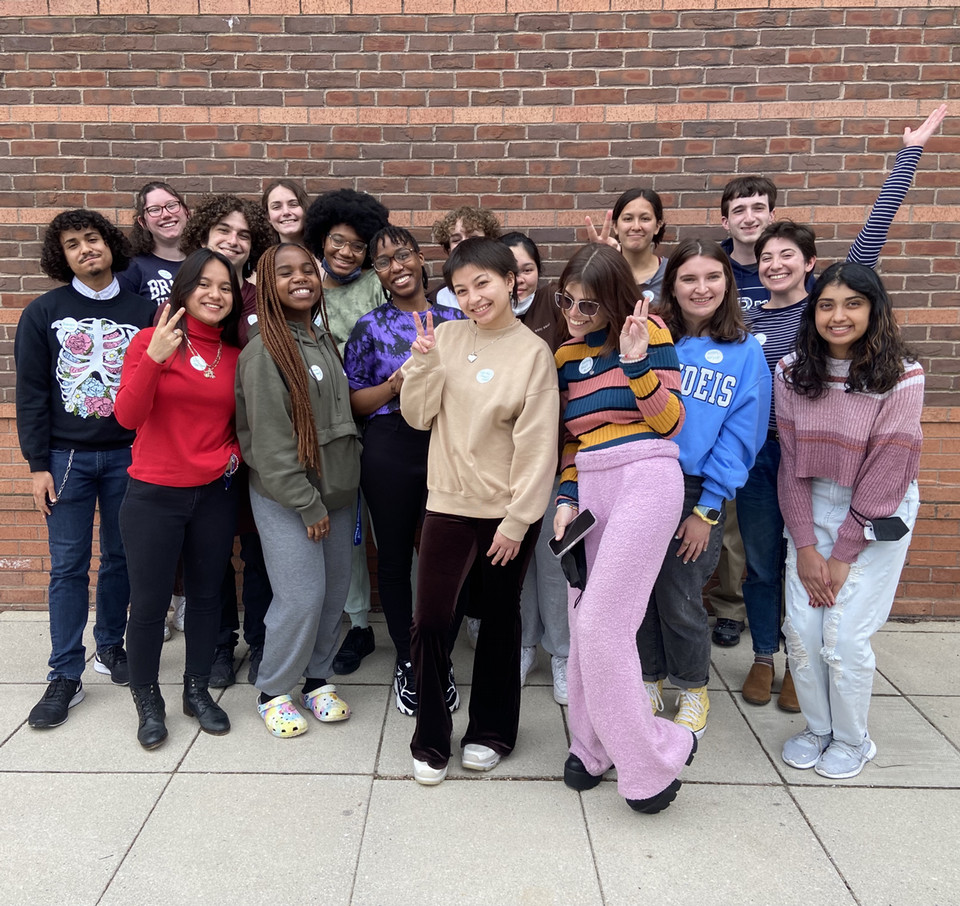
(334, 817)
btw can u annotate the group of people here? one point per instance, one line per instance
(281, 372)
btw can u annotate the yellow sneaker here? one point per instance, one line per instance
(655, 691)
(693, 705)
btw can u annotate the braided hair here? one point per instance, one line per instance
(279, 343)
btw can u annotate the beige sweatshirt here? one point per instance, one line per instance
(493, 422)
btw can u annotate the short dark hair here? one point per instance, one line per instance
(358, 210)
(398, 236)
(726, 324)
(211, 210)
(876, 359)
(799, 234)
(605, 277)
(52, 260)
(744, 187)
(489, 254)
(654, 201)
(512, 240)
(473, 219)
(186, 282)
(141, 239)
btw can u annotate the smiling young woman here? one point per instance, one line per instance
(285, 204)
(177, 391)
(486, 390)
(393, 472)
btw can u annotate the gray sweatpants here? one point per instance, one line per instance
(309, 581)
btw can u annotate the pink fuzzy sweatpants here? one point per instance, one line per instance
(635, 490)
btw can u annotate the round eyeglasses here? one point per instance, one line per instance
(155, 210)
(588, 308)
(382, 262)
(338, 242)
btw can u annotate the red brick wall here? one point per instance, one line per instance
(544, 110)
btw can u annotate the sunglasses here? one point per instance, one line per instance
(588, 308)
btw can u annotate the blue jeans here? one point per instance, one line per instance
(761, 527)
(94, 476)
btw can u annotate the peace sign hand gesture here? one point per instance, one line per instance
(603, 236)
(635, 337)
(166, 337)
(425, 340)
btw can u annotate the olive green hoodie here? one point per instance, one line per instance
(265, 427)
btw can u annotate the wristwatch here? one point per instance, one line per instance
(707, 514)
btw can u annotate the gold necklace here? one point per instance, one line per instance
(472, 356)
(198, 362)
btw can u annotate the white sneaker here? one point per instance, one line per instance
(528, 662)
(427, 776)
(841, 761)
(166, 632)
(473, 631)
(179, 605)
(559, 667)
(479, 758)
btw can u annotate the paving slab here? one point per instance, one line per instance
(891, 846)
(943, 712)
(100, 735)
(342, 747)
(910, 751)
(760, 841)
(920, 663)
(297, 844)
(541, 749)
(61, 845)
(26, 649)
(475, 843)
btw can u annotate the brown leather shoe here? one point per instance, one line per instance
(758, 684)
(787, 700)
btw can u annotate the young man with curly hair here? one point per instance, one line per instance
(450, 230)
(69, 351)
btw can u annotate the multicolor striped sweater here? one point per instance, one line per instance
(869, 442)
(606, 402)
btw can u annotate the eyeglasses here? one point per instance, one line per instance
(401, 256)
(588, 308)
(338, 242)
(155, 210)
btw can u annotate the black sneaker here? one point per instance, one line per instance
(256, 656)
(222, 673)
(726, 633)
(112, 662)
(452, 696)
(404, 686)
(51, 711)
(357, 644)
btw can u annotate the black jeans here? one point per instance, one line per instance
(157, 524)
(448, 547)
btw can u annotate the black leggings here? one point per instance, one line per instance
(157, 523)
(393, 476)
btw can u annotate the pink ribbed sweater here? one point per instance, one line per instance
(869, 442)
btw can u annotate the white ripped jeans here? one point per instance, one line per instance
(831, 659)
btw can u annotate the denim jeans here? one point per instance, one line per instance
(95, 476)
(761, 527)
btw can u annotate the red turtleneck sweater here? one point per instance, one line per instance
(185, 422)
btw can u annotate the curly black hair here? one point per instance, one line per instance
(141, 239)
(52, 260)
(876, 359)
(211, 210)
(358, 210)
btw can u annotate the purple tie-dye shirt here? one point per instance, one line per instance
(380, 343)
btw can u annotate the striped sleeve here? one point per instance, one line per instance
(655, 382)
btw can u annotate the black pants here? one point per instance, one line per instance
(157, 524)
(393, 476)
(448, 547)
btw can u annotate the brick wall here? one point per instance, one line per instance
(544, 110)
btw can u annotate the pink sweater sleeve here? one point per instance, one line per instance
(796, 502)
(892, 462)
